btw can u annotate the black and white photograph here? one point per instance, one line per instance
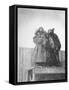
(41, 45)
(34, 44)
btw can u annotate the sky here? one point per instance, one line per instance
(29, 20)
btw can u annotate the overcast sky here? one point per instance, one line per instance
(29, 20)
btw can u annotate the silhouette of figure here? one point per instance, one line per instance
(39, 51)
(53, 48)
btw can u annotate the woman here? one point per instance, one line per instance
(52, 60)
(39, 54)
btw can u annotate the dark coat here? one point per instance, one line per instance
(56, 41)
(52, 53)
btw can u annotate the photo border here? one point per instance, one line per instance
(16, 42)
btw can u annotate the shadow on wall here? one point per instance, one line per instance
(25, 62)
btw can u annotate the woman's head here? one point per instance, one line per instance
(40, 35)
(40, 31)
(51, 30)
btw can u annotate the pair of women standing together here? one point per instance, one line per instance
(46, 52)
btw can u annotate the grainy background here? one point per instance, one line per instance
(29, 20)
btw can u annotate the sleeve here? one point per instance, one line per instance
(58, 44)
